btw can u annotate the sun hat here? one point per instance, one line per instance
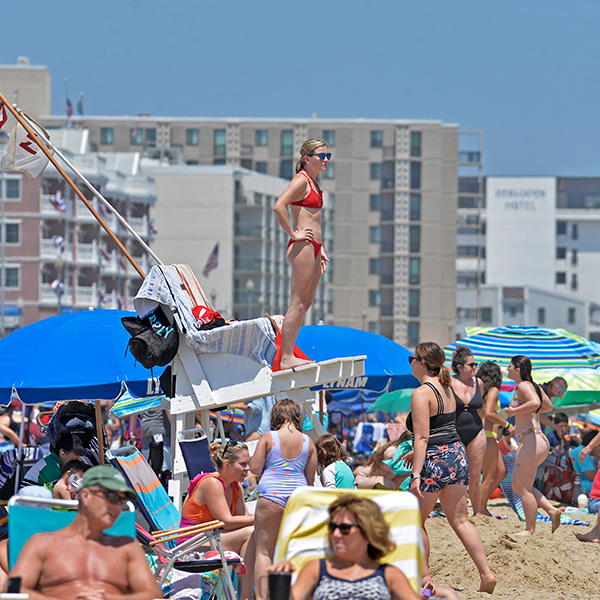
(109, 478)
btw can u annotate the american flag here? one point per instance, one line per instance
(212, 262)
(57, 201)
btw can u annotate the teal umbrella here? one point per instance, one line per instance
(397, 401)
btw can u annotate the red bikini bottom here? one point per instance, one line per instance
(316, 245)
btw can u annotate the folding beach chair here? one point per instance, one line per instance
(164, 519)
(195, 452)
(27, 517)
(303, 535)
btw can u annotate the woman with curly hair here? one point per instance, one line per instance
(494, 470)
(331, 456)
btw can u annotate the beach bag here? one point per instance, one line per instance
(154, 340)
(558, 480)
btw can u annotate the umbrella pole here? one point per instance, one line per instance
(20, 449)
(99, 432)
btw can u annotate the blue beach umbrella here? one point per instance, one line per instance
(386, 366)
(77, 356)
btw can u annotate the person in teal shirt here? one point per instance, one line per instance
(49, 469)
(331, 457)
(587, 468)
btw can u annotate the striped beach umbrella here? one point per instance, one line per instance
(553, 353)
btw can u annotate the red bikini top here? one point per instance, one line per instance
(313, 199)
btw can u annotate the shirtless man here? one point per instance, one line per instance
(80, 562)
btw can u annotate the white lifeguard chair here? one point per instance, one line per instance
(219, 367)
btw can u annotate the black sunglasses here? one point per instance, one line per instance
(322, 155)
(344, 528)
(112, 498)
(230, 443)
(411, 359)
(473, 364)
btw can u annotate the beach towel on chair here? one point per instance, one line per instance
(303, 534)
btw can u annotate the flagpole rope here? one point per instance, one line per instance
(78, 192)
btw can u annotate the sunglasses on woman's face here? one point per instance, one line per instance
(411, 359)
(323, 155)
(345, 528)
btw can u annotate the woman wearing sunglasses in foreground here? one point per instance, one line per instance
(359, 538)
(305, 253)
(219, 495)
(526, 405)
(440, 468)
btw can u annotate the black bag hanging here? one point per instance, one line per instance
(154, 340)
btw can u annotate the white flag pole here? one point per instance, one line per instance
(34, 136)
(96, 193)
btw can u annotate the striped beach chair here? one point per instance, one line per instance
(303, 534)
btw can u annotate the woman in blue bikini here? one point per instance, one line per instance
(528, 402)
(305, 254)
(287, 459)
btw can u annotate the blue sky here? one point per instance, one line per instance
(525, 72)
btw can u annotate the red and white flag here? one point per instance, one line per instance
(3, 115)
(23, 154)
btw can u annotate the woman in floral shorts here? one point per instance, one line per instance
(440, 467)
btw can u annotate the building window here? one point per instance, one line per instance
(374, 298)
(375, 202)
(574, 231)
(136, 136)
(561, 253)
(376, 170)
(260, 166)
(414, 244)
(150, 135)
(415, 143)
(376, 139)
(192, 137)
(330, 173)
(561, 277)
(261, 137)
(106, 135)
(414, 271)
(375, 327)
(287, 142)
(286, 169)
(574, 284)
(375, 266)
(573, 257)
(219, 161)
(329, 137)
(415, 175)
(13, 189)
(11, 278)
(375, 234)
(13, 233)
(220, 142)
(413, 303)
(571, 316)
(412, 333)
(561, 228)
(486, 314)
(541, 315)
(415, 207)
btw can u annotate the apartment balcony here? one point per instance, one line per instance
(50, 251)
(110, 265)
(49, 296)
(86, 296)
(141, 226)
(244, 230)
(142, 262)
(87, 253)
(83, 213)
(47, 209)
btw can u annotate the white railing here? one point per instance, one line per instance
(86, 296)
(140, 226)
(48, 295)
(87, 253)
(48, 210)
(48, 249)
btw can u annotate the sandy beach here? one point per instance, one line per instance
(549, 566)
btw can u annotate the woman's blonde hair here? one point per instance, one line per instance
(370, 521)
(307, 148)
(228, 452)
(285, 411)
(434, 359)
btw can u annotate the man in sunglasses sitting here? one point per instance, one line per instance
(81, 561)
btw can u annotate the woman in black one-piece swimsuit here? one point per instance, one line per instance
(469, 401)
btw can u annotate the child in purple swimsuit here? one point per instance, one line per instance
(286, 459)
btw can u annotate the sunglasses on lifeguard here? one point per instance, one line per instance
(411, 359)
(322, 155)
(112, 498)
(344, 528)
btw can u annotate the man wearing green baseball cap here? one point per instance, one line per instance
(81, 561)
